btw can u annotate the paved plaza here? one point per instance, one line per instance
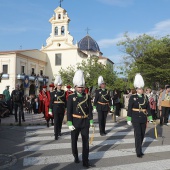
(32, 146)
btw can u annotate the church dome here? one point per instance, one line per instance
(88, 44)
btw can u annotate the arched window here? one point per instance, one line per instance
(56, 30)
(62, 30)
(59, 16)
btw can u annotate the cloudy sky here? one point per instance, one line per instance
(24, 24)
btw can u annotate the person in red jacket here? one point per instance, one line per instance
(68, 92)
(42, 98)
(49, 116)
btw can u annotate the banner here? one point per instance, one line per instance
(36, 82)
(44, 81)
(26, 81)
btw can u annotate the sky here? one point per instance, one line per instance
(24, 24)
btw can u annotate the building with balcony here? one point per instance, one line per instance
(34, 68)
(17, 66)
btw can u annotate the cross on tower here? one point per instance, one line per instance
(60, 2)
(87, 29)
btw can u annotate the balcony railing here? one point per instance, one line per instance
(32, 78)
(5, 76)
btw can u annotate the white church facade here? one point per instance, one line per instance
(34, 68)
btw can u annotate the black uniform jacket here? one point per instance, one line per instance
(58, 96)
(102, 96)
(137, 102)
(73, 108)
(21, 98)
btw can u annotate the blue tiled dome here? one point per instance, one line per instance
(88, 44)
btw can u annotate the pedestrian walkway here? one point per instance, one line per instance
(113, 151)
(30, 119)
(38, 119)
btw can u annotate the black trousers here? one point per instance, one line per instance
(48, 120)
(58, 120)
(165, 114)
(85, 142)
(102, 115)
(117, 110)
(9, 106)
(153, 112)
(20, 107)
(139, 133)
(35, 111)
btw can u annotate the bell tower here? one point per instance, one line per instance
(59, 29)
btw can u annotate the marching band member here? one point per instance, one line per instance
(80, 118)
(138, 112)
(102, 105)
(58, 106)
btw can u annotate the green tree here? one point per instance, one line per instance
(92, 70)
(148, 55)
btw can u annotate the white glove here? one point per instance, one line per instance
(129, 123)
(94, 111)
(50, 113)
(91, 125)
(71, 127)
(151, 121)
(110, 113)
(112, 110)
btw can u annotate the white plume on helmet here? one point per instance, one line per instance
(138, 82)
(78, 79)
(100, 80)
(58, 80)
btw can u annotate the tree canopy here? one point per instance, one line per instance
(92, 70)
(149, 56)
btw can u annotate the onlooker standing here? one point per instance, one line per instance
(32, 100)
(26, 101)
(48, 116)
(116, 103)
(36, 106)
(126, 98)
(152, 103)
(159, 94)
(42, 98)
(165, 105)
(148, 92)
(17, 99)
(6, 93)
(68, 92)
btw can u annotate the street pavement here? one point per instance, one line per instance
(32, 146)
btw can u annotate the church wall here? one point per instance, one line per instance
(69, 57)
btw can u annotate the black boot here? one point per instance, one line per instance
(48, 124)
(87, 165)
(52, 122)
(76, 160)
